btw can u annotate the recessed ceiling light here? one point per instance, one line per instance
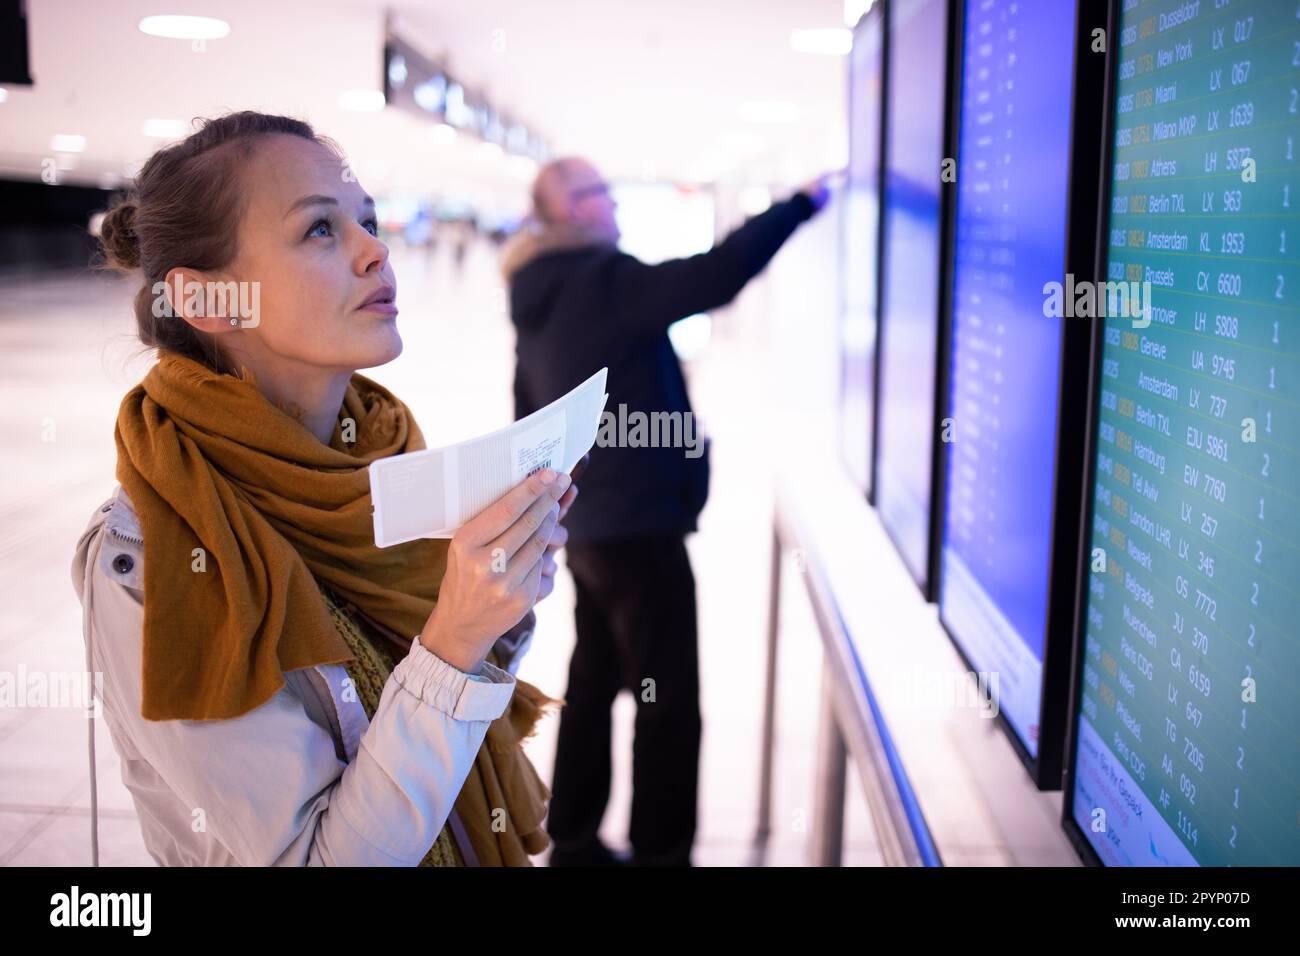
(430, 94)
(365, 101)
(67, 143)
(165, 128)
(830, 41)
(397, 70)
(185, 28)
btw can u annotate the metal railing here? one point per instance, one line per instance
(851, 726)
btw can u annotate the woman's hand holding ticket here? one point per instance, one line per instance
(496, 565)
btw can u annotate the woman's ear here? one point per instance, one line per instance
(198, 298)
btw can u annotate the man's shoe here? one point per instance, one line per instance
(591, 854)
(665, 859)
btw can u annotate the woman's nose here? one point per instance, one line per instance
(374, 253)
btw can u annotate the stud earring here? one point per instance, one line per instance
(234, 321)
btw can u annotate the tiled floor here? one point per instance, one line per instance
(69, 356)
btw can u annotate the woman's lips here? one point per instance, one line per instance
(383, 300)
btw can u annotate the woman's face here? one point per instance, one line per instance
(307, 237)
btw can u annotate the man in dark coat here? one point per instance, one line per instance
(578, 304)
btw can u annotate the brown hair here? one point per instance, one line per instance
(183, 210)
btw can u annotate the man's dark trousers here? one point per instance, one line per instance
(636, 629)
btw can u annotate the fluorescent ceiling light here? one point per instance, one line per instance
(365, 101)
(831, 41)
(68, 143)
(397, 70)
(769, 111)
(429, 95)
(166, 128)
(185, 28)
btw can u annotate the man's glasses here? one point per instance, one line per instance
(600, 189)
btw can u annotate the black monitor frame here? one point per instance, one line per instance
(15, 48)
(884, 6)
(1083, 563)
(878, 11)
(952, 62)
(1073, 401)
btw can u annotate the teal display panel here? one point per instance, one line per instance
(1186, 733)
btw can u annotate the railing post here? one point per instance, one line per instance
(768, 745)
(832, 768)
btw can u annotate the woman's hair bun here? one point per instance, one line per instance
(117, 236)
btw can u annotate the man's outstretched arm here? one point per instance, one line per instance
(649, 298)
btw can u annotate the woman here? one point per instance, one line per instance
(280, 691)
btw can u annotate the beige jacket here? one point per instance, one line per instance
(303, 780)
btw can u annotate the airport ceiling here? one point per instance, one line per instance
(692, 90)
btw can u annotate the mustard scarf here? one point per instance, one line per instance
(244, 515)
(369, 674)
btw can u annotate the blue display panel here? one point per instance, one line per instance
(915, 117)
(859, 243)
(1004, 377)
(1188, 705)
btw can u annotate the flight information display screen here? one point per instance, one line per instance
(1012, 202)
(859, 241)
(915, 118)
(1186, 748)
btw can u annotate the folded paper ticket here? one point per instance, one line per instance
(431, 493)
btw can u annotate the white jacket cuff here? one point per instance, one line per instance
(483, 695)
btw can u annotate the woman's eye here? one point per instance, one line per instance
(371, 225)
